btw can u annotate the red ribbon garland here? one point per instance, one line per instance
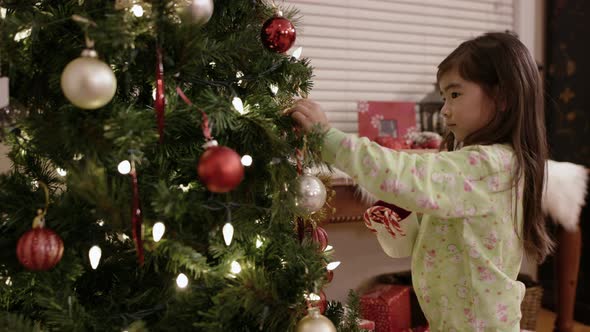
(205, 125)
(160, 96)
(136, 216)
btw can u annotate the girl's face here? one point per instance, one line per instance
(467, 107)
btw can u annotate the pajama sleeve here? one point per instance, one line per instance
(445, 184)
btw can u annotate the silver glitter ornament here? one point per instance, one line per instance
(311, 194)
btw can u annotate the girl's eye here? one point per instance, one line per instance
(454, 95)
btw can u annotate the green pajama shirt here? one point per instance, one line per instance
(468, 250)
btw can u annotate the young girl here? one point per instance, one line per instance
(481, 199)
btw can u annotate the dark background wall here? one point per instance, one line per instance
(568, 120)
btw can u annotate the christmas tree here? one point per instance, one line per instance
(155, 183)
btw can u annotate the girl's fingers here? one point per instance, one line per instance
(299, 105)
(299, 118)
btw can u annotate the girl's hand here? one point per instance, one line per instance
(308, 114)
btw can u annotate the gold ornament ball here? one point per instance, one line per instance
(315, 322)
(88, 83)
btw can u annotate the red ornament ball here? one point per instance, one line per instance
(39, 249)
(278, 34)
(221, 169)
(320, 236)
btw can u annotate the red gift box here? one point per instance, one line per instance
(389, 307)
(385, 118)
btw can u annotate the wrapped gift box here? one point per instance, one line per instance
(389, 307)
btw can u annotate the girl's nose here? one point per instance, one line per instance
(444, 111)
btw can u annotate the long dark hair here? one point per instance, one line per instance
(503, 67)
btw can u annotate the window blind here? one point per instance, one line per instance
(382, 50)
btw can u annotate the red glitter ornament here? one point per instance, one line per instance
(278, 34)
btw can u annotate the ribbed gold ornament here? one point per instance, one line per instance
(315, 322)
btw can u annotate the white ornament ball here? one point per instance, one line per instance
(200, 11)
(311, 194)
(315, 322)
(88, 83)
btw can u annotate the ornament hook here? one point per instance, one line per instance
(39, 220)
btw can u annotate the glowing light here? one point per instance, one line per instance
(312, 297)
(235, 267)
(332, 266)
(297, 53)
(158, 231)
(61, 171)
(22, 34)
(94, 254)
(274, 88)
(137, 10)
(228, 233)
(259, 242)
(124, 167)
(238, 75)
(238, 104)
(328, 248)
(182, 280)
(246, 160)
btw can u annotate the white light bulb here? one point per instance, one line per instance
(235, 267)
(238, 75)
(154, 92)
(2, 12)
(297, 53)
(61, 171)
(328, 248)
(246, 160)
(158, 231)
(22, 34)
(182, 280)
(238, 104)
(228, 233)
(274, 89)
(332, 266)
(124, 167)
(8, 281)
(259, 242)
(312, 297)
(94, 254)
(137, 10)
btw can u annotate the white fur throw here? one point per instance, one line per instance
(565, 194)
(563, 198)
